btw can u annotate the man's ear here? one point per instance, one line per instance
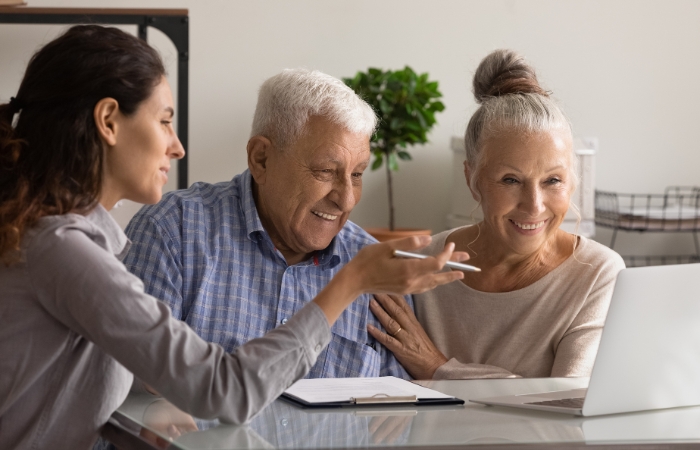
(259, 150)
(468, 173)
(105, 114)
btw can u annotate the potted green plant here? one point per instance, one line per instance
(406, 103)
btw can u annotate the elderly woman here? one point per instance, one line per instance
(537, 308)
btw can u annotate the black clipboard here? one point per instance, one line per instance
(377, 399)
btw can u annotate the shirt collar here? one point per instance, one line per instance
(329, 256)
(116, 241)
(253, 225)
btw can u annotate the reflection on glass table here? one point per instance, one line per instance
(280, 425)
(285, 425)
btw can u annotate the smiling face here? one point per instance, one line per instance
(305, 193)
(138, 157)
(525, 185)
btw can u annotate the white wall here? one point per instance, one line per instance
(625, 71)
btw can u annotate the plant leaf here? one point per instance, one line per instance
(437, 106)
(378, 161)
(421, 119)
(404, 155)
(385, 108)
(393, 162)
(405, 102)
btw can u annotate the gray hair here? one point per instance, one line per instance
(287, 100)
(511, 99)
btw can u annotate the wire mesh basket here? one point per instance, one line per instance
(676, 210)
(639, 261)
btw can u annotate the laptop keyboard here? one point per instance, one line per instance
(564, 402)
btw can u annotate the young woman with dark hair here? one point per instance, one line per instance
(92, 124)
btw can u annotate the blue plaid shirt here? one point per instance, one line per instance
(205, 253)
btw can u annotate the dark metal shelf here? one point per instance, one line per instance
(174, 23)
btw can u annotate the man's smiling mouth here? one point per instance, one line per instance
(324, 215)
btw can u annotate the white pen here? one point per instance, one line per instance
(451, 264)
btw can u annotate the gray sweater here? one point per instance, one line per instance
(549, 328)
(75, 325)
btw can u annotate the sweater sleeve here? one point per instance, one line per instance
(87, 289)
(456, 370)
(577, 349)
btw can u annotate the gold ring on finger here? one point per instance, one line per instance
(396, 332)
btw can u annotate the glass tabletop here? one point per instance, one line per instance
(285, 425)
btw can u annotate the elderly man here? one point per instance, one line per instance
(236, 259)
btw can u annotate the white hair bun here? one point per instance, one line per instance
(505, 72)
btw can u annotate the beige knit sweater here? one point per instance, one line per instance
(550, 328)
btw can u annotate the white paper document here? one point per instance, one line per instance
(323, 391)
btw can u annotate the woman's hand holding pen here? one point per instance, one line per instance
(375, 269)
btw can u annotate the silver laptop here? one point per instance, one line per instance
(649, 354)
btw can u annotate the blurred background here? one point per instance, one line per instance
(625, 71)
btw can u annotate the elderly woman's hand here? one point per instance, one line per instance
(406, 339)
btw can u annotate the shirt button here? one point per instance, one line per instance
(285, 422)
(284, 321)
(318, 348)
